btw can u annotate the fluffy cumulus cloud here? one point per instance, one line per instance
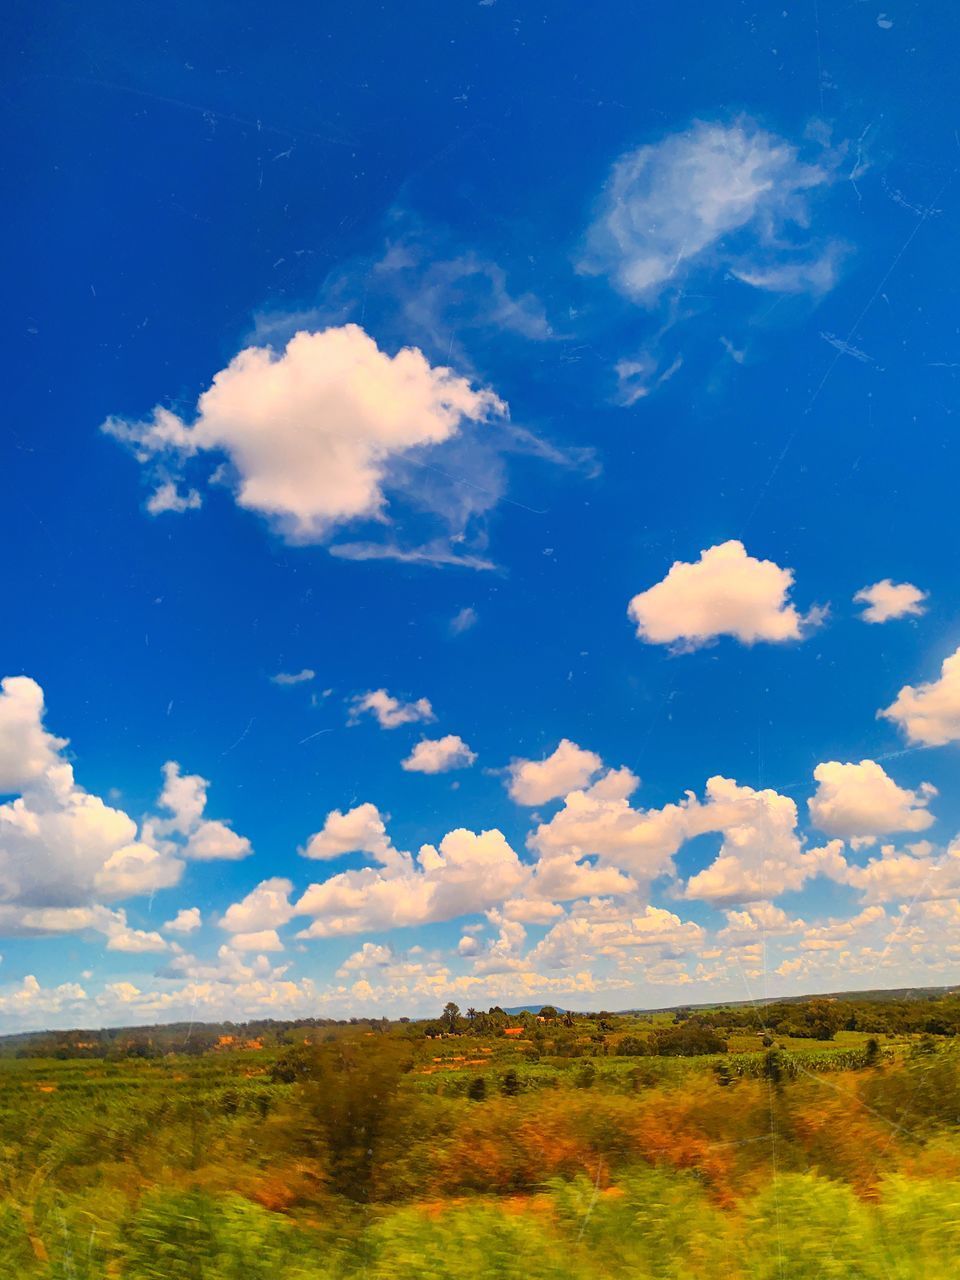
(61, 846)
(186, 920)
(65, 853)
(761, 854)
(725, 593)
(28, 753)
(856, 800)
(264, 908)
(359, 830)
(388, 711)
(370, 956)
(886, 600)
(622, 932)
(917, 873)
(729, 197)
(29, 1001)
(204, 839)
(259, 940)
(308, 436)
(111, 923)
(466, 872)
(835, 935)
(756, 923)
(929, 714)
(568, 768)
(599, 821)
(439, 755)
(504, 953)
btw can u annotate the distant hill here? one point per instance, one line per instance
(894, 993)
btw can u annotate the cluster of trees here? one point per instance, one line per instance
(685, 1040)
(186, 1038)
(560, 1033)
(820, 1018)
(490, 1023)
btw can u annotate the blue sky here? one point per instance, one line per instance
(506, 322)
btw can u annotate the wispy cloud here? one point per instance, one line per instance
(285, 678)
(716, 196)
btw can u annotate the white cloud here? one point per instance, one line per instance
(185, 921)
(755, 923)
(503, 953)
(836, 934)
(537, 910)
(638, 375)
(600, 821)
(310, 434)
(855, 800)
(370, 956)
(390, 712)
(436, 553)
(260, 940)
(463, 620)
(123, 938)
(285, 678)
(167, 497)
(620, 932)
(184, 796)
(724, 593)
(206, 840)
(231, 969)
(885, 600)
(466, 873)
(27, 751)
(45, 921)
(30, 1001)
(216, 841)
(930, 713)
(65, 846)
(568, 768)
(761, 854)
(917, 873)
(59, 845)
(264, 907)
(359, 830)
(439, 755)
(714, 196)
(562, 877)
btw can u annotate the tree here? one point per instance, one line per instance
(451, 1012)
(510, 1084)
(352, 1110)
(632, 1046)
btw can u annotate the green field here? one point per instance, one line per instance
(453, 1149)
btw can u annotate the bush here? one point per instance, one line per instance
(190, 1236)
(688, 1039)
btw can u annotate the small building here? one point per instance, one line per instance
(513, 1031)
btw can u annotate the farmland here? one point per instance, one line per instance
(822, 1142)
